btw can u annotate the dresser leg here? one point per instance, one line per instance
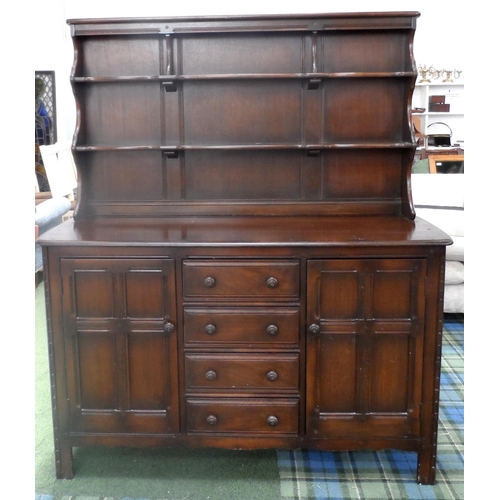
(64, 462)
(426, 467)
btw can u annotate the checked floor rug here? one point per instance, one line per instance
(390, 475)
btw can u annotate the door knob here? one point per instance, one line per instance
(314, 329)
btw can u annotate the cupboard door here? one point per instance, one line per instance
(119, 324)
(365, 347)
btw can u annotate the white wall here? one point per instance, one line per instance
(439, 39)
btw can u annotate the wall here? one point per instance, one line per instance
(438, 40)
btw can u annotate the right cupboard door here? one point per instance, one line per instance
(365, 347)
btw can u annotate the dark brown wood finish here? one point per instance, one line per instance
(300, 101)
(245, 269)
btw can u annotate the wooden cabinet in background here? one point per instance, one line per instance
(244, 268)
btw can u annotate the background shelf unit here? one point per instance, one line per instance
(454, 93)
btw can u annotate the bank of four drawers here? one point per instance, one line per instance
(254, 390)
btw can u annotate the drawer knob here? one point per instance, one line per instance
(272, 420)
(211, 375)
(272, 282)
(211, 420)
(272, 330)
(210, 329)
(314, 329)
(169, 327)
(209, 282)
(272, 376)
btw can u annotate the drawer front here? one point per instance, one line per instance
(242, 416)
(237, 280)
(244, 327)
(262, 372)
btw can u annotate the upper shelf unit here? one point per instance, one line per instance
(223, 115)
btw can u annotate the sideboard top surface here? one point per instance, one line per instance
(246, 231)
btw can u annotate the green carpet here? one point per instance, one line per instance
(164, 473)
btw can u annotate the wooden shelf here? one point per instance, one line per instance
(250, 147)
(242, 76)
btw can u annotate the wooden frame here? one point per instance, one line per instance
(433, 159)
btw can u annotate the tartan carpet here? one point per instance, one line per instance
(390, 474)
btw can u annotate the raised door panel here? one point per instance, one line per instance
(96, 362)
(147, 366)
(94, 297)
(364, 351)
(119, 321)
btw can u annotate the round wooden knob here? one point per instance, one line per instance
(169, 327)
(272, 330)
(314, 329)
(211, 375)
(210, 329)
(211, 420)
(209, 282)
(272, 282)
(272, 420)
(272, 376)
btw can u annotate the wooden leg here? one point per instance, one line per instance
(426, 468)
(64, 462)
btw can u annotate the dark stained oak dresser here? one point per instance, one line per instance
(244, 268)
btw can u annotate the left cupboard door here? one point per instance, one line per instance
(120, 336)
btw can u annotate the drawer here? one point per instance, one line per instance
(262, 372)
(243, 327)
(237, 279)
(242, 416)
